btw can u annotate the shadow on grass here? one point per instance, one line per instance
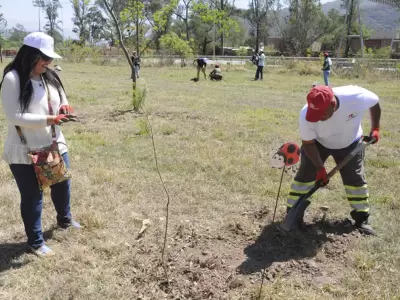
(10, 252)
(118, 113)
(273, 245)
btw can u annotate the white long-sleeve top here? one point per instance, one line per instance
(33, 121)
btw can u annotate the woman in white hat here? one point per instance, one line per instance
(35, 105)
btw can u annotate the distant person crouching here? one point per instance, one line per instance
(216, 74)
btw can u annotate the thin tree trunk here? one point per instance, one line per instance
(222, 34)
(121, 41)
(137, 34)
(204, 45)
(257, 36)
(222, 44)
(186, 23)
(349, 23)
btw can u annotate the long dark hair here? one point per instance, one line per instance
(23, 63)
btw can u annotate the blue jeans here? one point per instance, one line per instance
(326, 77)
(32, 201)
(259, 73)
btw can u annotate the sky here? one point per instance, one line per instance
(24, 13)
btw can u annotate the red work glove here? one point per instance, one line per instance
(322, 177)
(64, 119)
(66, 110)
(374, 134)
(61, 119)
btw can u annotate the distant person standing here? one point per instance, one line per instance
(254, 59)
(136, 64)
(260, 66)
(326, 68)
(201, 64)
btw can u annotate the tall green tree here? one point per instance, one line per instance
(81, 10)
(176, 45)
(350, 7)
(257, 15)
(336, 27)
(111, 31)
(159, 15)
(130, 16)
(183, 13)
(134, 18)
(99, 28)
(16, 35)
(50, 8)
(228, 9)
(220, 20)
(305, 25)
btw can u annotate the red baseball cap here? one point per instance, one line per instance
(319, 99)
(326, 54)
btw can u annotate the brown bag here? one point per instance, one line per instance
(48, 163)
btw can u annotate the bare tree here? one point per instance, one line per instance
(112, 6)
(257, 15)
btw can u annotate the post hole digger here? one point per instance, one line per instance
(291, 220)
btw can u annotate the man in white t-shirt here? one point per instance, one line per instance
(330, 124)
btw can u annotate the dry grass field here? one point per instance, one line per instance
(214, 143)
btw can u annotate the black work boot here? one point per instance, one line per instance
(301, 225)
(361, 222)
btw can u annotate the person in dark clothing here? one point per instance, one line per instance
(201, 64)
(136, 64)
(260, 66)
(326, 68)
(254, 59)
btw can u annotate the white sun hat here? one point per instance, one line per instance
(43, 42)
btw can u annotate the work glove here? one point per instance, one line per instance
(66, 109)
(322, 177)
(374, 134)
(64, 119)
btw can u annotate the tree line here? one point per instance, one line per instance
(199, 26)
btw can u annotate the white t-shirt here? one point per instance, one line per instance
(261, 60)
(33, 121)
(344, 127)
